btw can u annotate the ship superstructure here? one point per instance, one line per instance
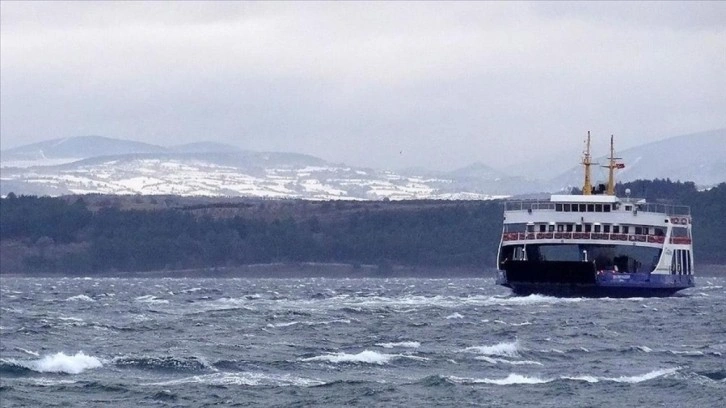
(595, 243)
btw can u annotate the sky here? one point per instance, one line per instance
(436, 85)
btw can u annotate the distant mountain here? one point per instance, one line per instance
(477, 171)
(210, 169)
(96, 164)
(79, 147)
(698, 157)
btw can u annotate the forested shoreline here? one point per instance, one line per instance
(135, 234)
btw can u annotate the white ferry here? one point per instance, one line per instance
(596, 244)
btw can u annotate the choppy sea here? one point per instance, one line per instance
(353, 342)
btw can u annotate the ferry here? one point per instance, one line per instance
(596, 244)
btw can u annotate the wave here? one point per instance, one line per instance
(244, 378)
(32, 353)
(164, 363)
(515, 379)
(505, 361)
(407, 344)
(80, 298)
(626, 379)
(511, 379)
(151, 299)
(504, 349)
(365, 356)
(56, 363)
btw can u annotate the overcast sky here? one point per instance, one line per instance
(436, 85)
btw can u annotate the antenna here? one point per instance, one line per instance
(587, 162)
(612, 165)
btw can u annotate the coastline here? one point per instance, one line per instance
(316, 270)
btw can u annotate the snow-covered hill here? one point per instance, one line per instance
(101, 165)
(279, 175)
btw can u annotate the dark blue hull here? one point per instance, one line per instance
(582, 280)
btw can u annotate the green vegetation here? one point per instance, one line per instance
(70, 234)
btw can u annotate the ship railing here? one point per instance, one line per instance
(652, 239)
(638, 204)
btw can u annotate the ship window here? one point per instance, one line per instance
(616, 229)
(680, 232)
(597, 228)
(583, 207)
(606, 228)
(517, 227)
(566, 207)
(588, 227)
(560, 228)
(598, 207)
(626, 229)
(606, 207)
(591, 207)
(578, 228)
(542, 228)
(569, 227)
(688, 256)
(558, 207)
(551, 228)
(530, 228)
(638, 230)
(628, 208)
(659, 232)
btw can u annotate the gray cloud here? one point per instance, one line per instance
(381, 84)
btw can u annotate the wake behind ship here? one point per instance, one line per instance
(596, 244)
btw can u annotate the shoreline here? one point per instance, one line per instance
(314, 270)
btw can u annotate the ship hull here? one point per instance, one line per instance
(581, 279)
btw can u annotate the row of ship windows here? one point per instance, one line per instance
(606, 228)
(589, 207)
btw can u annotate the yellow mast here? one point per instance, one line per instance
(612, 165)
(587, 162)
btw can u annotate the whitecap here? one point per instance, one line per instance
(505, 349)
(245, 379)
(63, 363)
(365, 356)
(644, 377)
(287, 324)
(71, 319)
(32, 353)
(82, 298)
(687, 352)
(492, 360)
(407, 344)
(454, 316)
(150, 299)
(511, 379)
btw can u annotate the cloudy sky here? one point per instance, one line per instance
(402, 84)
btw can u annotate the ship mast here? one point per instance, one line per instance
(587, 162)
(612, 165)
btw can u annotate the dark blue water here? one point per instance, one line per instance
(364, 342)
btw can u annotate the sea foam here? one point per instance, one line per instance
(63, 363)
(408, 344)
(365, 356)
(504, 349)
(82, 298)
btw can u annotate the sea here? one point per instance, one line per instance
(171, 342)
